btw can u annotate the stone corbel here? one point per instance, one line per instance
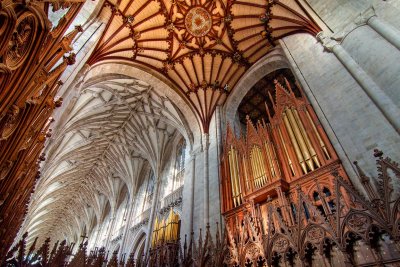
(363, 18)
(327, 41)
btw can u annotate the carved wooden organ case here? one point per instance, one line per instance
(268, 164)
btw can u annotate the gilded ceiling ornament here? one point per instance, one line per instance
(198, 21)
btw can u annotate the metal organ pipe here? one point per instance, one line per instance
(286, 152)
(246, 175)
(300, 140)
(238, 177)
(270, 161)
(259, 175)
(257, 178)
(234, 171)
(294, 142)
(235, 175)
(321, 142)
(306, 138)
(232, 178)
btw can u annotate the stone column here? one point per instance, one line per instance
(110, 230)
(219, 147)
(127, 225)
(387, 31)
(206, 180)
(97, 235)
(152, 213)
(192, 186)
(374, 92)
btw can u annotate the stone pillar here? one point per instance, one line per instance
(206, 180)
(153, 211)
(219, 145)
(127, 225)
(110, 230)
(373, 91)
(191, 199)
(387, 31)
(97, 235)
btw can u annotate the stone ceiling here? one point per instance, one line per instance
(117, 128)
(119, 124)
(202, 46)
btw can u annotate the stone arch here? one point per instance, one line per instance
(272, 61)
(138, 243)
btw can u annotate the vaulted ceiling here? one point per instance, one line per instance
(120, 125)
(202, 46)
(117, 128)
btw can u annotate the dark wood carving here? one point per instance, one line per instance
(32, 58)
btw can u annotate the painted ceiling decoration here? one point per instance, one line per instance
(202, 46)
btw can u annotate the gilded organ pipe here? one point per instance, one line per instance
(246, 174)
(154, 236)
(232, 177)
(234, 171)
(295, 144)
(253, 167)
(236, 176)
(258, 164)
(237, 179)
(306, 138)
(275, 160)
(270, 160)
(321, 142)
(300, 140)
(257, 167)
(263, 169)
(286, 152)
(166, 230)
(257, 177)
(161, 233)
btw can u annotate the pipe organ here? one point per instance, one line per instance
(276, 156)
(166, 230)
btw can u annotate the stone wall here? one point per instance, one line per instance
(338, 14)
(357, 125)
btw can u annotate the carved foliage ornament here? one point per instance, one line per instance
(252, 251)
(14, 115)
(21, 40)
(281, 244)
(358, 222)
(315, 234)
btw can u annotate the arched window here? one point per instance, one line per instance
(179, 165)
